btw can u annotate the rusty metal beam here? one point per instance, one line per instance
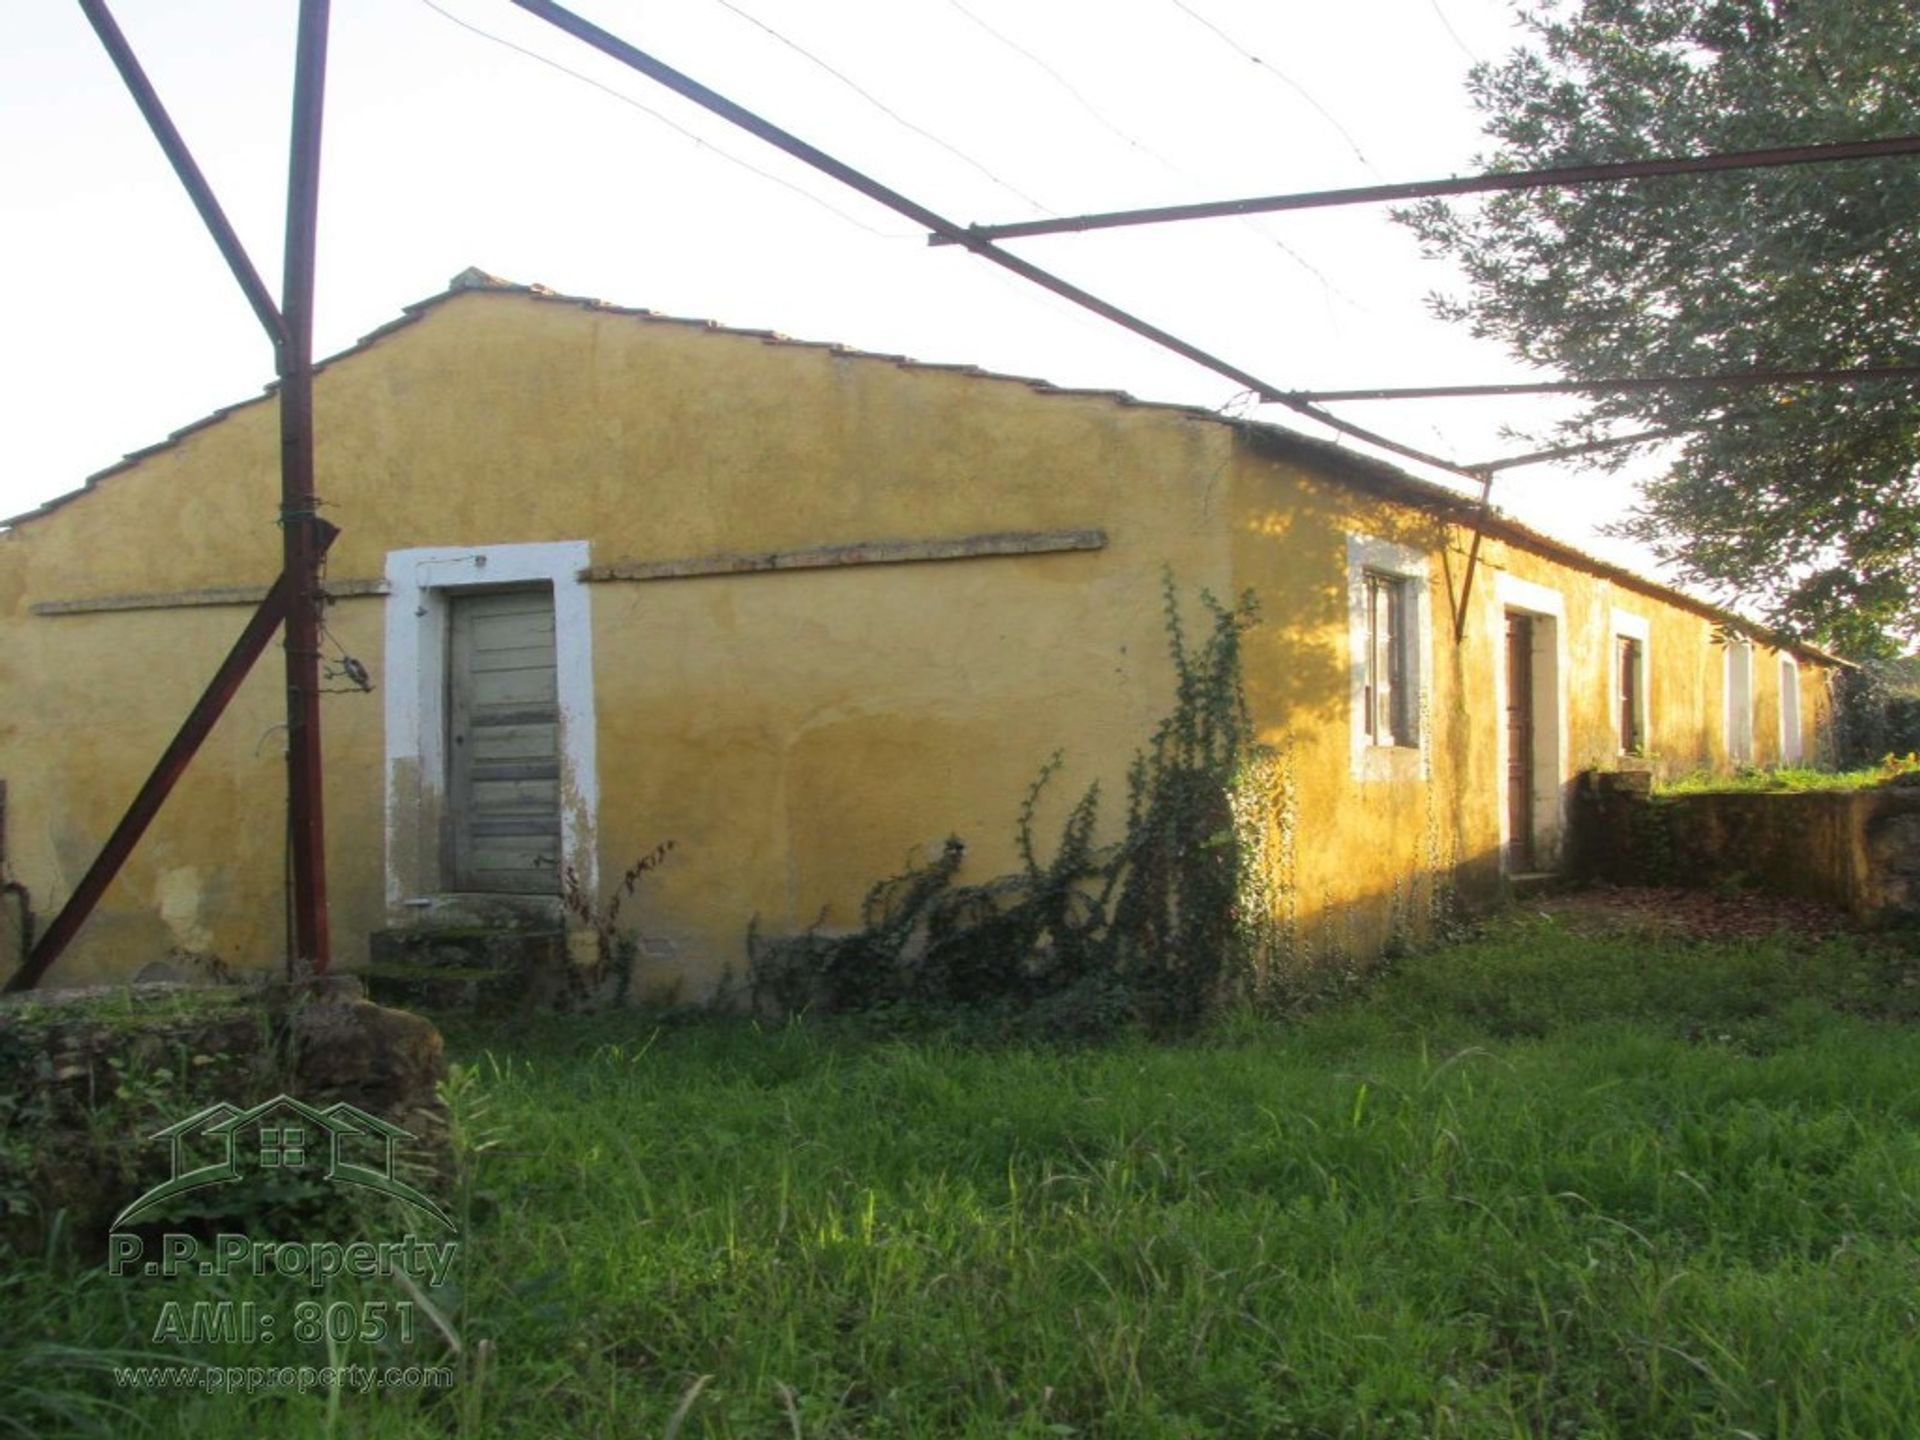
(1556, 176)
(300, 524)
(182, 160)
(1473, 554)
(637, 59)
(1629, 384)
(159, 784)
(297, 597)
(1588, 447)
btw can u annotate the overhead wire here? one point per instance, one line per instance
(1281, 76)
(1064, 83)
(1135, 142)
(633, 57)
(665, 120)
(882, 105)
(1441, 15)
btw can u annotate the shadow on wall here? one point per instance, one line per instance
(1293, 557)
(1202, 901)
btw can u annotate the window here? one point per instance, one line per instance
(1388, 720)
(1739, 700)
(1628, 664)
(1628, 671)
(1390, 658)
(1792, 748)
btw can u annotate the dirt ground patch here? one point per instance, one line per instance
(1696, 914)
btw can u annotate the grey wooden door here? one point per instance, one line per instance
(503, 743)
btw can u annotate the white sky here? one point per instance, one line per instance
(444, 149)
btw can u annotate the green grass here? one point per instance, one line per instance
(1774, 779)
(1533, 1185)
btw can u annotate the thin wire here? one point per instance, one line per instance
(679, 129)
(1136, 143)
(1441, 15)
(1064, 83)
(883, 107)
(1285, 79)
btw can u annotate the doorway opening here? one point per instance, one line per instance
(503, 742)
(1531, 705)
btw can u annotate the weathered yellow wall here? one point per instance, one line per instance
(1373, 856)
(797, 735)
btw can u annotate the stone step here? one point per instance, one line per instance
(464, 967)
(1530, 884)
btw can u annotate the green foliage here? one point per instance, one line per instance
(1158, 927)
(616, 947)
(1898, 770)
(48, 1385)
(1534, 1185)
(1876, 712)
(1784, 778)
(74, 1115)
(1806, 499)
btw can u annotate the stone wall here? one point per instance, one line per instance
(1858, 850)
(91, 1075)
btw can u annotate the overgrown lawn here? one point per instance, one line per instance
(1532, 1185)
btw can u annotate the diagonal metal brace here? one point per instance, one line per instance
(183, 164)
(172, 764)
(1473, 552)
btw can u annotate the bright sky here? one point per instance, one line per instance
(445, 149)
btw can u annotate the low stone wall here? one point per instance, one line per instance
(1858, 850)
(90, 1076)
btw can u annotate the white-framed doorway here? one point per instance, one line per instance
(423, 585)
(1530, 710)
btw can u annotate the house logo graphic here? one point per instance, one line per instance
(342, 1143)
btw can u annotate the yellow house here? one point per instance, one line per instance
(618, 578)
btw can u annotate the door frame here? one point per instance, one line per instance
(419, 583)
(1547, 609)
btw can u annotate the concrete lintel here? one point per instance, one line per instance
(866, 552)
(193, 599)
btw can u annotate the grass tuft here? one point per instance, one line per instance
(1536, 1184)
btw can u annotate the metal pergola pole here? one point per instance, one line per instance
(296, 596)
(299, 517)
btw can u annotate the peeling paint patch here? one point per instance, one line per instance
(180, 896)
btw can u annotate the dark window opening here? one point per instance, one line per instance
(1389, 711)
(1631, 710)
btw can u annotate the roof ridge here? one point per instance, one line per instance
(1412, 489)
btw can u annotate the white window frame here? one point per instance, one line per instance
(1411, 756)
(419, 583)
(1793, 734)
(1551, 752)
(1628, 626)
(1738, 710)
